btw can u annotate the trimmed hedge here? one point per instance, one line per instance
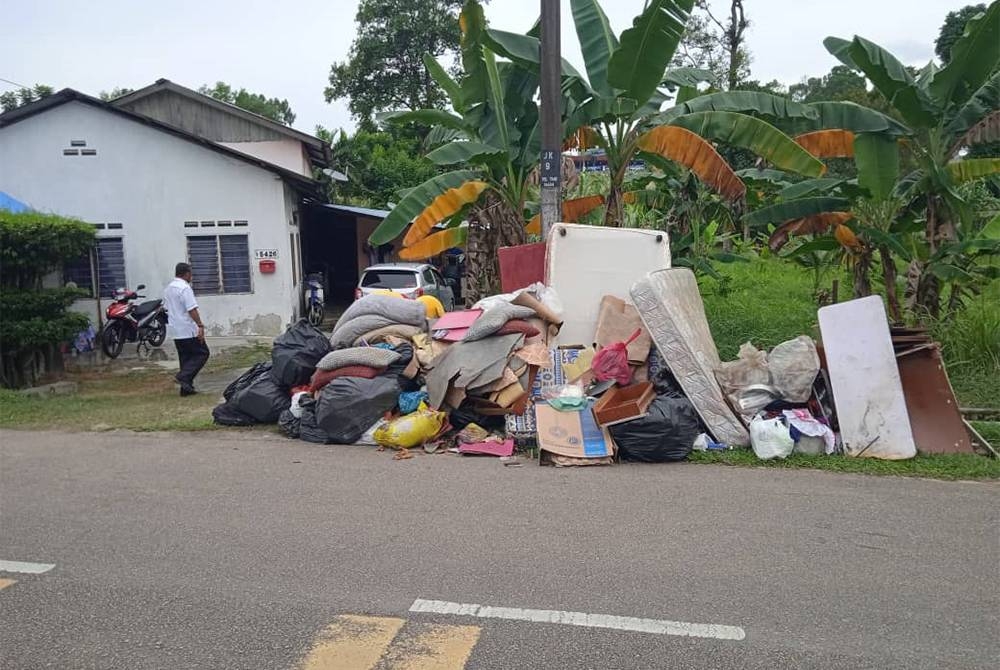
(33, 245)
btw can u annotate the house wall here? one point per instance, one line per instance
(152, 182)
(285, 153)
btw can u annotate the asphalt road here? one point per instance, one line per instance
(230, 550)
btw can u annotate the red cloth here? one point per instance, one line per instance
(521, 266)
(518, 326)
(321, 378)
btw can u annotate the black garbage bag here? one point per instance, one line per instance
(309, 430)
(264, 400)
(396, 369)
(348, 406)
(227, 415)
(296, 353)
(247, 378)
(289, 424)
(667, 433)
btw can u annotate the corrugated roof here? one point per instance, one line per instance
(359, 211)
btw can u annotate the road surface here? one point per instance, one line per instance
(247, 550)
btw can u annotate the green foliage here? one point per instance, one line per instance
(385, 67)
(23, 96)
(33, 244)
(378, 165)
(116, 92)
(38, 317)
(273, 108)
(952, 29)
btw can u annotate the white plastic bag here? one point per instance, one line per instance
(770, 438)
(794, 365)
(749, 369)
(545, 294)
(295, 408)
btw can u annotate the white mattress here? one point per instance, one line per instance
(585, 263)
(673, 313)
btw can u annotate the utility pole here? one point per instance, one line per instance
(551, 94)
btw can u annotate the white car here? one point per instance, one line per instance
(411, 280)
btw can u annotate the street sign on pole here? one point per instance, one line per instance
(550, 161)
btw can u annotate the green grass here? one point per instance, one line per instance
(768, 301)
(119, 398)
(943, 466)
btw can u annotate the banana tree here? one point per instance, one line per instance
(945, 111)
(626, 86)
(489, 144)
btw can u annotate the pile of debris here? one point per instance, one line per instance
(605, 355)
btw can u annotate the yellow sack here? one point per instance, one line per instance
(412, 430)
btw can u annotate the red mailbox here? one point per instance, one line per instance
(267, 266)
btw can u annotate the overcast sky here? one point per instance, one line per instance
(285, 49)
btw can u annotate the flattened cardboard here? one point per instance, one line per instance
(573, 434)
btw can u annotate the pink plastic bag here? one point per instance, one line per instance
(611, 362)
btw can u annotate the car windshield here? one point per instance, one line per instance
(393, 279)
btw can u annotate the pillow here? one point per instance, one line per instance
(391, 308)
(494, 319)
(321, 378)
(373, 357)
(518, 326)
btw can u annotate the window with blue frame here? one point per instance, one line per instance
(219, 264)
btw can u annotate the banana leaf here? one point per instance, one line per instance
(877, 158)
(597, 43)
(834, 143)
(434, 244)
(971, 169)
(687, 148)
(809, 186)
(978, 120)
(687, 76)
(974, 57)
(444, 80)
(572, 210)
(636, 66)
(524, 50)
(746, 102)
(894, 82)
(845, 116)
(815, 224)
(796, 209)
(464, 152)
(416, 201)
(756, 135)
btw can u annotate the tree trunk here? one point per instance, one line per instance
(492, 224)
(889, 278)
(614, 214)
(862, 274)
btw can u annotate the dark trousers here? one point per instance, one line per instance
(193, 354)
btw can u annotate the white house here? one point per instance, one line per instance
(166, 175)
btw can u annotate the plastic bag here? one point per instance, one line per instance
(247, 378)
(348, 406)
(296, 353)
(309, 430)
(227, 415)
(410, 401)
(770, 438)
(666, 433)
(289, 423)
(295, 408)
(264, 400)
(749, 369)
(411, 430)
(565, 397)
(544, 294)
(794, 365)
(611, 362)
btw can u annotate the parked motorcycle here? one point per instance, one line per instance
(314, 298)
(145, 323)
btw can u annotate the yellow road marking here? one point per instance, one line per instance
(432, 647)
(352, 643)
(4, 583)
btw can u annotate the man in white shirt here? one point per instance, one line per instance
(185, 327)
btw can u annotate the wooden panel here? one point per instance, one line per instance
(201, 119)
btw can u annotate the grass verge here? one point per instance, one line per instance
(940, 466)
(143, 399)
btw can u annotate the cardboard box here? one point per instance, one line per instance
(572, 434)
(621, 404)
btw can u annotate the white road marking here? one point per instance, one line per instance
(27, 568)
(656, 626)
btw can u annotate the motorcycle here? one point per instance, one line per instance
(314, 298)
(145, 323)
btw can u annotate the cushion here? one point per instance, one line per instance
(383, 334)
(321, 378)
(373, 357)
(345, 334)
(390, 308)
(494, 319)
(518, 326)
